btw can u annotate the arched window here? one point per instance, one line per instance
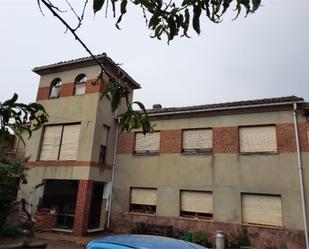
(80, 86)
(55, 88)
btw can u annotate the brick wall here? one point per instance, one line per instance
(82, 207)
(67, 90)
(125, 143)
(45, 220)
(225, 140)
(286, 137)
(43, 93)
(170, 141)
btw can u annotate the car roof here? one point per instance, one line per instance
(143, 242)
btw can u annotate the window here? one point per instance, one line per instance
(258, 139)
(80, 86)
(197, 141)
(60, 142)
(103, 146)
(143, 200)
(55, 88)
(149, 143)
(261, 209)
(196, 204)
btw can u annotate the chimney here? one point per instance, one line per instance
(157, 107)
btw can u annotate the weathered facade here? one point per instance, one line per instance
(238, 159)
(222, 166)
(73, 154)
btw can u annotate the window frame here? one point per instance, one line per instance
(42, 138)
(144, 209)
(258, 152)
(80, 84)
(196, 215)
(197, 151)
(54, 84)
(146, 152)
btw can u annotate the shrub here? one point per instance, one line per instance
(187, 237)
(138, 228)
(10, 231)
(201, 238)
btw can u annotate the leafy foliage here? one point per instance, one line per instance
(173, 18)
(20, 117)
(201, 238)
(11, 172)
(131, 119)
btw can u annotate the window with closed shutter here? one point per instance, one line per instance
(196, 203)
(60, 142)
(261, 209)
(258, 139)
(69, 142)
(51, 143)
(143, 200)
(199, 140)
(147, 143)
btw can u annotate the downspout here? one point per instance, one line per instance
(112, 181)
(300, 172)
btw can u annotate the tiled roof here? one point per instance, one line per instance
(235, 104)
(100, 57)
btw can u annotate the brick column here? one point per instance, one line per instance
(82, 207)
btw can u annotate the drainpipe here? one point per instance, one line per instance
(112, 181)
(300, 172)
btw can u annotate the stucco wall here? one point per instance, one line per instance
(226, 174)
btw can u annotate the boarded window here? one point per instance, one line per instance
(143, 200)
(67, 135)
(147, 143)
(197, 140)
(196, 203)
(51, 143)
(262, 209)
(69, 142)
(258, 139)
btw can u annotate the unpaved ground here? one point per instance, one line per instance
(54, 240)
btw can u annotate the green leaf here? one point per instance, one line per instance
(11, 101)
(196, 19)
(97, 5)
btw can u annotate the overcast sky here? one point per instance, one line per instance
(263, 55)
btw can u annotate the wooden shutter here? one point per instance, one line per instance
(261, 209)
(197, 139)
(51, 143)
(196, 201)
(143, 196)
(147, 143)
(69, 143)
(258, 139)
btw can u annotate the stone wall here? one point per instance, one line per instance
(259, 237)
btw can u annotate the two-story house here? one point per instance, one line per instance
(219, 166)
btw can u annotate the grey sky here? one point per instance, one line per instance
(263, 55)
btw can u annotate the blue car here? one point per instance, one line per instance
(129, 241)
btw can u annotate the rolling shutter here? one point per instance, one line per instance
(261, 209)
(69, 143)
(51, 143)
(143, 196)
(196, 201)
(147, 143)
(197, 139)
(80, 89)
(258, 139)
